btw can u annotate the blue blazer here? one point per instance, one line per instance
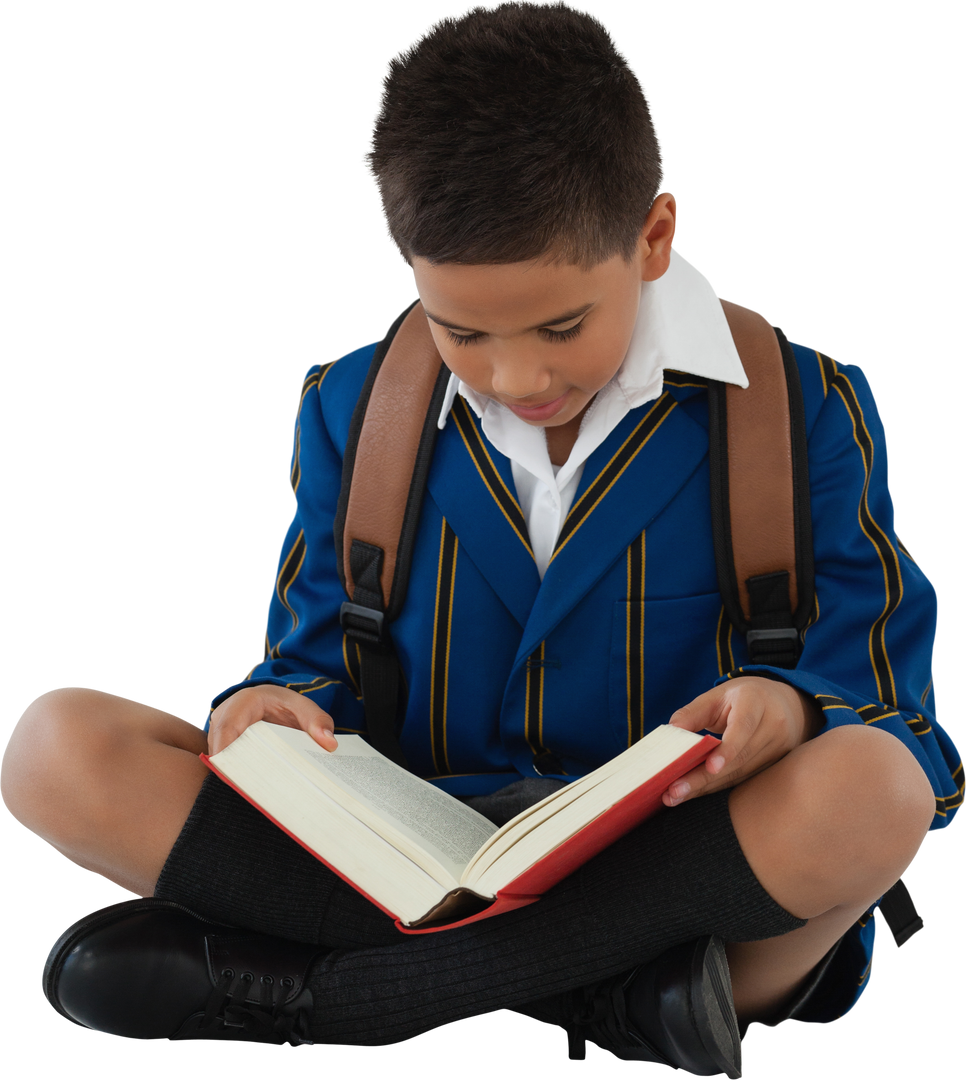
(508, 676)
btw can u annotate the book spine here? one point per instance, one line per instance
(503, 902)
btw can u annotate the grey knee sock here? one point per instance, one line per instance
(680, 875)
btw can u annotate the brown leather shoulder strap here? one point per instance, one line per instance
(764, 474)
(392, 434)
(761, 486)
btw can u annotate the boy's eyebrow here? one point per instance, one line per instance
(566, 317)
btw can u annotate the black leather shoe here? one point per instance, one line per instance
(676, 1010)
(152, 969)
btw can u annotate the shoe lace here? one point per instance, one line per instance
(599, 1013)
(228, 1007)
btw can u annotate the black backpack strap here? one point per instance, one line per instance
(900, 914)
(385, 469)
(761, 517)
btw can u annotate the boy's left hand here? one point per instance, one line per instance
(760, 721)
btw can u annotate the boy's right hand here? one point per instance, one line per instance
(277, 705)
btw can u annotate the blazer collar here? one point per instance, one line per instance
(627, 482)
(472, 484)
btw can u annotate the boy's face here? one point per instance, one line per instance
(540, 337)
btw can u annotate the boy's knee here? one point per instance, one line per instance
(880, 783)
(56, 740)
(870, 806)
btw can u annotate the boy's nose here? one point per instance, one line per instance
(516, 379)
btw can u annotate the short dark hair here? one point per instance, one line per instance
(514, 133)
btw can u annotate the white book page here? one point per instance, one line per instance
(362, 855)
(527, 838)
(419, 818)
(516, 828)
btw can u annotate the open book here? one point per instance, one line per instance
(421, 855)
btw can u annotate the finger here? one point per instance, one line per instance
(295, 710)
(745, 712)
(231, 718)
(320, 726)
(304, 713)
(740, 712)
(275, 704)
(697, 782)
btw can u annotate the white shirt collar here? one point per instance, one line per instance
(680, 326)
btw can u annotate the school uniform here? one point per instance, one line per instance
(555, 616)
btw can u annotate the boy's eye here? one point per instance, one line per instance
(462, 339)
(546, 334)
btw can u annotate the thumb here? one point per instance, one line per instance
(292, 709)
(317, 723)
(699, 714)
(687, 717)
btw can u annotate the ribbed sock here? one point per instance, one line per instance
(231, 864)
(677, 877)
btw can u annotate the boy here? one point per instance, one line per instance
(530, 271)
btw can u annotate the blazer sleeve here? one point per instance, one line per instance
(867, 653)
(305, 649)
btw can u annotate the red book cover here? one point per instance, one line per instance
(567, 857)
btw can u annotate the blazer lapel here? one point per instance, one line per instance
(627, 482)
(472, 484)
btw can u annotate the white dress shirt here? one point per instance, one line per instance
(680, 326)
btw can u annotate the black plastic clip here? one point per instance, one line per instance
(363, 624)
(784, 633)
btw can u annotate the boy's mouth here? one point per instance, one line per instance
(544, 411)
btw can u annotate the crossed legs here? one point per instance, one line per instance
(826, 830)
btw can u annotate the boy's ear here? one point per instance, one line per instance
(654, 246)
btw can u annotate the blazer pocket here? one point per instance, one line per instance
(663, 653)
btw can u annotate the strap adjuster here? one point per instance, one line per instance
(779, 646)
(363, 624)
(783, 633)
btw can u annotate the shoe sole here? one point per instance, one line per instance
(95, 921)
(713, 1010)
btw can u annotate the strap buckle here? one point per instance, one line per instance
(778, 646)
(783, 633)
(363, 624)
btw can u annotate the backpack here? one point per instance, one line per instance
(761, 519)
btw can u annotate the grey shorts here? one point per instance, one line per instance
(504, 805)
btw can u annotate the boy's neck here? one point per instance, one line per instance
(561, 439)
